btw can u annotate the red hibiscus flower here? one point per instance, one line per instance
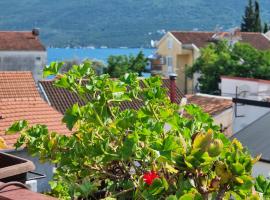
(149, 177)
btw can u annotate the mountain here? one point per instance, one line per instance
(116, 23)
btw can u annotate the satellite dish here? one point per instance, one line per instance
(243, 90)
(153, 43)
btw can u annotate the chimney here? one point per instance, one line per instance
(173, 87)
(35, 31)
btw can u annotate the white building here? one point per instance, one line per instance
(22, 51)
(246, 88)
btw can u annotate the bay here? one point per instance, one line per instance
(64, 54)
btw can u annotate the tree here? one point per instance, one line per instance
(129, 154)
(251, 19)
(247, 24)
(265, 28)
(97, 65)
(219, 59)
(257, 21)
(119, 65)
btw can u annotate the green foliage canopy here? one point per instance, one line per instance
(220, 58)
(150, 153)
(97, 65)
(119, 65)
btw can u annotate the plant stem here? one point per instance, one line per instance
(221, 193)
(123, 192)
(110, 110)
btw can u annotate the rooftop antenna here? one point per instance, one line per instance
(243, 91)
(234, 35)
(217, 31)
(218, 28)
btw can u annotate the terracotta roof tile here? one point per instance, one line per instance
(20, 100)
(201, 39)
(34, 111)
(17, 85)
(20, 41)
(13, 192)
(210, 104)
(62, 99)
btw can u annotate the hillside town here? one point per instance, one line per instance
(196, 128)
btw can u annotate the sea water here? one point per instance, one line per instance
(102, 54)
(63, 54)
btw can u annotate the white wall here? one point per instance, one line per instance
(248, 89)
(256, 90)
(261, 168)
(226, 119)
(23, 61)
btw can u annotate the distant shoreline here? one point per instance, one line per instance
(93, 47)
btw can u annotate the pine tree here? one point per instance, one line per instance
(248, 18)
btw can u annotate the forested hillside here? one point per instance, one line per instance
(115, 23)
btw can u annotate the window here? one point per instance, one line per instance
(169, 64)
(38, 58)
(170, 43)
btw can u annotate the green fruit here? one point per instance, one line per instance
(220, 168)
(222, 171)
(215, 148)
(202, 140)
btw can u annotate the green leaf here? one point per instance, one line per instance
(156, 187)
(129, 146)
(86, 188)
(237, 168)
(71, 116)
(17, 127)
(262, 185)
(172, 197)
(190, 196)
(52, 69)
(165, 183)
(20, 141)
(170, 143)
(62, 82)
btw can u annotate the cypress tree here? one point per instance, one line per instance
(252, 18)
(265, 28)
(257, 18)
(248, 19)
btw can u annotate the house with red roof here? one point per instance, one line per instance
(22, 51)
(20, 100)
(220, 108)
(177, 50)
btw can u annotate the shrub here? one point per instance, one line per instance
(153, 152)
